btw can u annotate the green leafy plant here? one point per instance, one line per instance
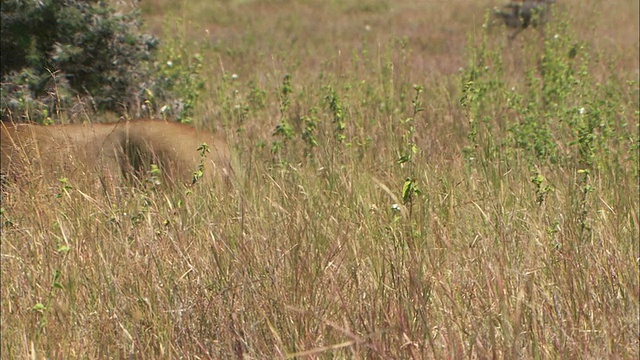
(55, 51)
(284, 131)
(337, 114)
(541, 186)
(408, 147)
(178, 82)
(44, 309)
(203, 150)
(482, 92)
(308, 132)
(64, 188)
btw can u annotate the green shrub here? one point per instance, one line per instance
(175, 89)
(55, 53)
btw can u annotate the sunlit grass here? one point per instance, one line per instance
(509, 227)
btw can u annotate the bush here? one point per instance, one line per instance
(55, 53)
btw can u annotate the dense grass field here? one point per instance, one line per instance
(409, 184)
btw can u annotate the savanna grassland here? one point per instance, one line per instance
(409, 184)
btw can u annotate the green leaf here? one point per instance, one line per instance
(407, 190)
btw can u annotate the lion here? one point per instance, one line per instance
(137, 151)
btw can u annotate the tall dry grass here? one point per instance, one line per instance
(415, 187)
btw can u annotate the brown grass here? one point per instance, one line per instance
(306, 258)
